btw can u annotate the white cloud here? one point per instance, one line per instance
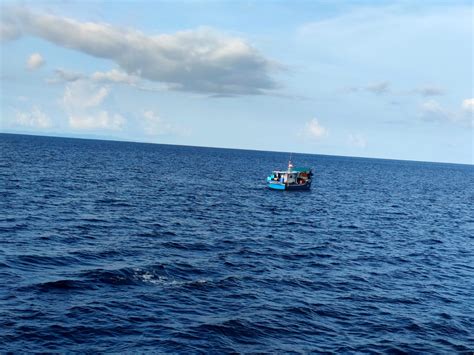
(83, 95)
(314, 130)
(34, 119)
(384, 87)
(468, 112)
(61, 75)
(115, 76)
(112, 76)
(201, 60)
(468, 105)
(430, 90)
(34, 61)
(154, 125)
(432, 106)
(379, 88)
(82, 101)
(8, 29)
(357, 140)
(98, 120)
(433, 111)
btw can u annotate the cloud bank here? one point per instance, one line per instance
(33, 119)
(82, 101)
(201, 60)
(98, 120)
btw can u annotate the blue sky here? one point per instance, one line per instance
(359, 78)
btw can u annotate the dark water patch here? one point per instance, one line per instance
(64, 285)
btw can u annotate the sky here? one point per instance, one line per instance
(381, 79)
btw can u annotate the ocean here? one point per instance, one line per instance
(128, 247)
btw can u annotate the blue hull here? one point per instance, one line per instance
(280, 186)
(276, 186)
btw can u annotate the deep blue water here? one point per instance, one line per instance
(113, 247)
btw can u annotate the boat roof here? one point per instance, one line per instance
(294, 170)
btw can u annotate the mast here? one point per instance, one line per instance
(290, 166)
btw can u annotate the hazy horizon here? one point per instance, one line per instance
(112, 139)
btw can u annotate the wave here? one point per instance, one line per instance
(64, 285)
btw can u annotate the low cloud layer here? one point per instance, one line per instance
(82, 101)
(201, 60)
(35, 118)
(96, 120)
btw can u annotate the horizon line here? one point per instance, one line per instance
(121, 140)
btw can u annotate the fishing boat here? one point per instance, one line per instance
(294, 178)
